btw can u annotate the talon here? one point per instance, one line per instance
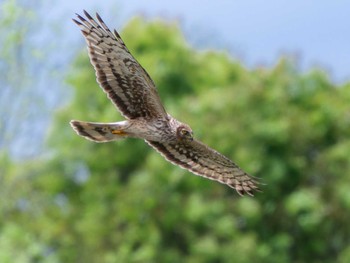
(119, 132)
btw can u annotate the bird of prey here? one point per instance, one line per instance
(133, 92)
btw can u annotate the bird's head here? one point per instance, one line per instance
(184, 133)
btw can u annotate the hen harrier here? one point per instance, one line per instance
(133, 92)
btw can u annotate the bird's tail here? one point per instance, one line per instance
(99, 132)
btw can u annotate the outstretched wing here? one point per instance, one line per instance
(124, 80)
(204, 161)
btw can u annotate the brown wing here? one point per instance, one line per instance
(124, 80)
(204, 161)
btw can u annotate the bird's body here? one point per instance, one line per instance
(134, 93)
(159, 130)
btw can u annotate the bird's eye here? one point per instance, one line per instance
(184, 134)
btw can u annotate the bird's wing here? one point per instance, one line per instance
(124, 80)
(204, 161)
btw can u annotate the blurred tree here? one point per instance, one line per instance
(25, 71)
(122, 202)
(14, 26)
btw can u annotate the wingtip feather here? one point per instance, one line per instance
(87, 15)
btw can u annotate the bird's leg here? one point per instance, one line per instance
(119, 128)
(118, 132)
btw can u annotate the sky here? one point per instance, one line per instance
(254, 31)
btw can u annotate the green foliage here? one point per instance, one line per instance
(23, 98)
(122, 202)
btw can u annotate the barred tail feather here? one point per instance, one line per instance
(97, 132)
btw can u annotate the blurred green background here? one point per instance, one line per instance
(77, 201)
